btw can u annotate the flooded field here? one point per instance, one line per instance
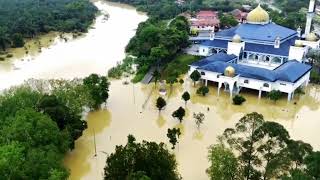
(131, 110)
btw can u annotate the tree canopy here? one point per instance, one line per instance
(157, 42)
(39, 122)
(263, 150)
(146, 159)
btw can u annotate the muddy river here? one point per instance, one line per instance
(131, 108)
(97, 51)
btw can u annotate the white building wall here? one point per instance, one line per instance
(211, 76)
(286, 87)
(204, 51)
(255, 84)
(235, 48)
(297, 53)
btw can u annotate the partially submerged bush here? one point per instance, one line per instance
(203, 90)
(238, 100)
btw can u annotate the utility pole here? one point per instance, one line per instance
(94, 142)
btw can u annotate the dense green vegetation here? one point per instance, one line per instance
(146, 160)
(28, 18)
(156, 43)
(162, 9)
(39, 122)
(259, 149)
(238, 100)
(179, 65)
(203, 90)
(124, 67)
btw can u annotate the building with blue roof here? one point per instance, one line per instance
(257, 54)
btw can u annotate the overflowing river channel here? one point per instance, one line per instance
(131, 108)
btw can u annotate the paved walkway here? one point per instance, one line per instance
(148, 77)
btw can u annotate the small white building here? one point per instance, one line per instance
(258, 55)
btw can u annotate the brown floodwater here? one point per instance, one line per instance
(96, 51)
(131, 108)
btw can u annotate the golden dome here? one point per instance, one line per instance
(258, 16)
(229, 71)
(299, 44)
(311, 37)
(236, 39)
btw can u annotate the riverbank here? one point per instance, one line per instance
(95, 52)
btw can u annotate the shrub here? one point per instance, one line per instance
(115, 72)
(2, 58)
(142, 71)
(9, 56)
(299, 91)
(315, 76)
(203, 90)
(274, 95)
(238, 100)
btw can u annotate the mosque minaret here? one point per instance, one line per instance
(310, 15)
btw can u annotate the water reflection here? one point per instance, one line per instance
(161, 121)
(98, 120)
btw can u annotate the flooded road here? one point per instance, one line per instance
(131, 108)
(96, 51)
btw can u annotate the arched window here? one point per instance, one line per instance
(246, 81)
(266, 85)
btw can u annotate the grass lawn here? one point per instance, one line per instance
(179, 65)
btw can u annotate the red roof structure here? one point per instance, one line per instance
(206, 18)
(239, 15)
(207, 15)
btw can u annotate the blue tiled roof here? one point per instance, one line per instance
(216, 43)
(288, 72)
(242, 70)
(291, 71)
(223, 57)
(257, 32)
(283, 50)
(267, 32)
(227, 33)
(261, 48)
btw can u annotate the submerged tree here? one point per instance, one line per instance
(186, 97)
(98, 87)
(203, 90)
(274, 95)
(173, 135)
(179, 113)
(161, 103)
(199, 118)
(195, 76)
(146, 159)
(238, 100)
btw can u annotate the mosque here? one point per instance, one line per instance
(258, 54)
